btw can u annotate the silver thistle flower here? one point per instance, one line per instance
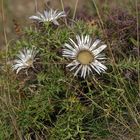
(49, 16)
(25, 59)
(85, 55)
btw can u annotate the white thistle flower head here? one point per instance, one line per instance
(85, 55)
(25, 59)
(49, 16)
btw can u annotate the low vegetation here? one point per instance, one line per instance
(48, 102)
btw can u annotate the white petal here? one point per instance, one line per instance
(69, 56)
(73, 67)
(98, 50)
(75, 45)
(98, 67)
(46, 13)
(87, 40)
(78, 40)
(97, 63)
(82, 39)
(17, 66)
(20, 68)
(94, 68)
(89, 70)
(95, 44)
(68, 52)
(77, 70)
(74, 63)
(35, 18)
(41, 15)
(100, 57)
(70, 47)
(60, 14)
(55, 22)
(85, 70)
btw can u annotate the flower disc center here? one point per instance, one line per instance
(85, 57)
(29, 62)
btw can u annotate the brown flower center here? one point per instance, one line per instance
(85, 57)
(29, 62)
